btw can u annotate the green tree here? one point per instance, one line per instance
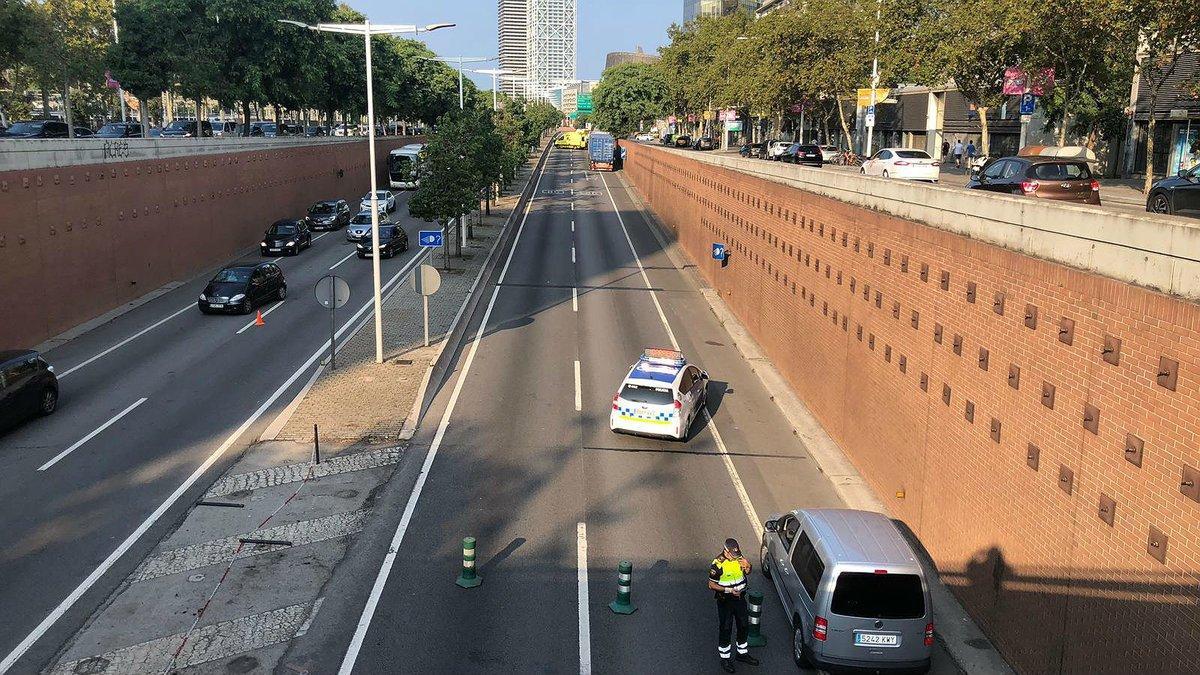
(451, 180)
(16, 36)
(627, 95)
(145, 60)
(67, 42)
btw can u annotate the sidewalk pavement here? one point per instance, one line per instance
(246, 571)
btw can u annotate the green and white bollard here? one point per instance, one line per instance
(468, 578)
(622, 605)
(754, 636)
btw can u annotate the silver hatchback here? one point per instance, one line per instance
(853, 589)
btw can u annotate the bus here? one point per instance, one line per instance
(404, 166)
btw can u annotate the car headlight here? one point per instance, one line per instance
(203, 298)
(263, 244)
(238, 298)
(291, 243)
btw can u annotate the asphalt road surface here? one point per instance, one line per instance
(516, 451)
(194, 390)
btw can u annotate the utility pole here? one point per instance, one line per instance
(874, 79)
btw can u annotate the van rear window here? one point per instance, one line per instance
(878, 596)
(650, 395)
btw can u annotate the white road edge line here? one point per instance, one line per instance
(62, 607)
(578, 389)
(738, 485)
(95, 432)
(352, 253)
(585, 621)
(251, 324)
(122, 343)
(385, 568)
(574, 299)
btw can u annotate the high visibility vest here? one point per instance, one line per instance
(731, 574)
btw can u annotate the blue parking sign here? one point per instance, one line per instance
(718, 251)
(430, 238)
(1028, 103)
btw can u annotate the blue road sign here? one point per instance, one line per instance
(1028, 103)
(718, 251)
(871, 110)
(430, 238)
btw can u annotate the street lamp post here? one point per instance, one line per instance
(367, 30)
(494, 72)
(460, 60)
(874, 78)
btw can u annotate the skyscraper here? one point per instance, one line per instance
(513, 28)
(695, 8)
(553, 42)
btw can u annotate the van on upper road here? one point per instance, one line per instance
(853, 590)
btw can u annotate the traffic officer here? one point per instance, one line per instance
(727, 578)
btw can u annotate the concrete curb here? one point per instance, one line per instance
(967, 645)
(439, 366)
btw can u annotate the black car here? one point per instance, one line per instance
(704, 143)
(37, 129)
(120, 130)
(392, 240)
(683, 141)
(1179, 194)
(758, 150)
(262, 129)
(668, 139)
(186, 129)
(84, 132)
(331, 214)
(315, 131)
(239, 289)
(286, 237)
(798, 153)
(28, 386)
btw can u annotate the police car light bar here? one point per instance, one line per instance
(661, 356)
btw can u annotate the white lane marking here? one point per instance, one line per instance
(364, 621)
(738, 486)
(312, 614)
(572, 255)
(277, 259)
(126, 341)
(578, 388)
(95, 432)
(585, 621)
(574, 299)
(255, 320)
(321, 235)
(69, 601)
(352, 254)
(572, 226)
(572, 206)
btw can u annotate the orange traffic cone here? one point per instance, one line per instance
(259, 320)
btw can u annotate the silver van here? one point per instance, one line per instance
(852, 588)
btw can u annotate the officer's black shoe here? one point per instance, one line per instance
(746, 658)
(727, 664)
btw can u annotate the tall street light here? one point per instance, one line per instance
(460, 60)
(874, 78)
(494, 72)
(367, 30)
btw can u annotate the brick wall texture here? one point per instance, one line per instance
(77, 242)
(1010, 411)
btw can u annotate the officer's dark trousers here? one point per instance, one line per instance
(729, 610)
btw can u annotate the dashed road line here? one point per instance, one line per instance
(131, 338)
(585, 622)
(250, 325)
(351, 255)
(578, 389)
(574, 299)
(95, 432)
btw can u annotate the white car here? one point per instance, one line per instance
(644, 137)
(386, 199)
(661, 396)
(905, 163)
(830, 153)
(775, 149)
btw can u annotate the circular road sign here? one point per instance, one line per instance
(332, 291)
(426, 280)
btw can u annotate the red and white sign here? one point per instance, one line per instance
(729, 115)
(1018, 81)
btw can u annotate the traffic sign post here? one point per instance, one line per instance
(434, 239)
(1028, 105)
(718, 251)
(426, 281)
(332, 292)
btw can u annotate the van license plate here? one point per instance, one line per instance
(876, 640)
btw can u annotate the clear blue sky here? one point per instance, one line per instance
(604, 26)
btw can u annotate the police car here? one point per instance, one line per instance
(660, 396)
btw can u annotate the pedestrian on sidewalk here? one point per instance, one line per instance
(945, 150)
(727, 578)
(958, 152)
(970, 153)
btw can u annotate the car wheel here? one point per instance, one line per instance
(282, 292)
(246, 307)
(799, 650)
(49, 401)
(1159, 203)
(764, 561)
